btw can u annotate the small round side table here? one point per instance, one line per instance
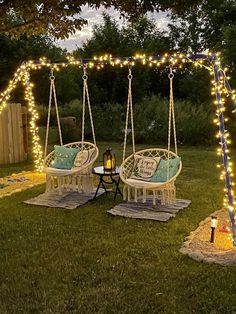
(114, 177)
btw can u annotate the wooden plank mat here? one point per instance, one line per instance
(146, 210)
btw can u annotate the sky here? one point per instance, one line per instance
(94, 17)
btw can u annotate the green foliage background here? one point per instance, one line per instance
(150, 119)
(108, 87)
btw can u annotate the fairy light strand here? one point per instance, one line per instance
(210, 61)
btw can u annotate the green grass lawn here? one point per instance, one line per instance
(87, 261)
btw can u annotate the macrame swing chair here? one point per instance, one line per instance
(158, 177)
(79, 177)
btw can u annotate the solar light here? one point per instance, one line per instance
(213, 226)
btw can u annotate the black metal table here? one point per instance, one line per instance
(114, 177)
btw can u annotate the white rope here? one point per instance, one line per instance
(174, 127)
(52, 93)
(48, 121)
(129, 109)
(84, 77)
(172, 111)
(90, 114)
(86, 95)
(171, 121)
(169, 125)
(126, 128)
(57, 111)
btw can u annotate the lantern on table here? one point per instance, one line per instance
(109, 160)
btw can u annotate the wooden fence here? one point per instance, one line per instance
(13, 134)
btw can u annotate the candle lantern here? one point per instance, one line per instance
(213, 226)
(109, 160)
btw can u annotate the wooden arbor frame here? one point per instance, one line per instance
(210, 61)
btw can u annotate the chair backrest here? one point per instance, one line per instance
(127, 166)
(86, 146)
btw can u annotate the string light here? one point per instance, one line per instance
(37, 149)
(208, 60)
(221, 89)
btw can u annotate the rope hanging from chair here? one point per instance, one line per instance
(86, 96)
(171, 122)
(172, 113)
(52, 94)
(129, 110)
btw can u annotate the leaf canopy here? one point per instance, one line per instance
(61, 18)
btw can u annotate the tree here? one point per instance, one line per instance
(211, 26)
(60, 18)
(15, 51)
(229, 48)
(106, 38)
(204, 27)
(142, 36)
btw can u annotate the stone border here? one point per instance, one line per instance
(204, 251)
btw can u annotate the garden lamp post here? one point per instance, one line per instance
(213, 227)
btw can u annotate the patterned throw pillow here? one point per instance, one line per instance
(144, 167)
(84, 157)
(64, 157)
(161, 173)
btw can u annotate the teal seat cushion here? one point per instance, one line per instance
(64, 157)
(161, 173)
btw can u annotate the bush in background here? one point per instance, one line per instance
(193, 121)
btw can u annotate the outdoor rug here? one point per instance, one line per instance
(148, 211)
(68, 199)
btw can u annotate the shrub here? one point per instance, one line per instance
(109, 122)
(43, 115)
(70, 134)
(73, 108)
(193, 122)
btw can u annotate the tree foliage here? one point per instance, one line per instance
(15, 51)
(212, 25)
(60, 18)
(203, 28)
(139, 36)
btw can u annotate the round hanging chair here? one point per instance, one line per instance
(135, 186)
(165, 191)
(79, 177)
(76, 178)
